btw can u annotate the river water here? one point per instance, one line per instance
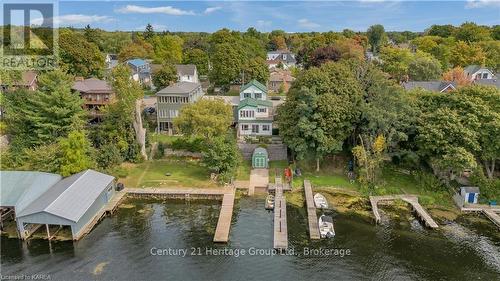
(121, 246)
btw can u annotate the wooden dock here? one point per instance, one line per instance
(489, 211)
(225, 216)
(411, 199)
(226, 211)
(311, 212)
(280, 224)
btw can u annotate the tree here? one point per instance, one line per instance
(205, 118)
(221, 155)
(457, 75)
(137, 49)
(227, 62)
(257, 69)
(148, 32)
(424, 69)
(492, 52)
(165, 76)
(197, 57)
(441, 30)
(470, 32)
(80, 57)
(495, 32)
(319, 113)
(39, 118)
(167, 49)
(376, 35)
(323, 55)
(94, 35)
(75, 153)
(396, 62)
(463, 54)
(369, 155)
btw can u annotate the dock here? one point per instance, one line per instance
(491, 212)
(494, 217)
(411, 199)
(312, 218)
(226, 194)
(280, 224)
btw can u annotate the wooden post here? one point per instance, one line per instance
(48, 232)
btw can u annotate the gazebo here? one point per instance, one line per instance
(260, 158)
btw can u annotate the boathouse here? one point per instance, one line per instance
(260, 158)
(77, 201)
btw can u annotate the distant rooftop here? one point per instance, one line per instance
(185, 69)
(92, 85)
(179, 88)
(137, 62)
(254, 83)
(435, 86)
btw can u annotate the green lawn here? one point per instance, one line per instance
(183, 173)
(162, 138)
(243, 172)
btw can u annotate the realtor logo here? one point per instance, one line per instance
(29, 36)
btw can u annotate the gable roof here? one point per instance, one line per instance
(92, 85)
(255, 83)
(254, 103)
(179, 88)
(71, 197)
(435, 86)
(20, 188)
(471, 69)
(185, 69)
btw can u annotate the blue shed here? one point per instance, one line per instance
(470, 194)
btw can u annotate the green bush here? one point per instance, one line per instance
(429, 182)
(189, 144)
(160, 151)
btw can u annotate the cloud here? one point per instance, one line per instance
(472, 4)
(73, 19)
(211, 10)
(168, 10)
(264, 23)
(305, 23)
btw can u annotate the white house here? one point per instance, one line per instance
(187, 73)
(284, 58)
(141, 71)
(255, 116)
(475, 72)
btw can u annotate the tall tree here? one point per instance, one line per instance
(80, 57)
(197, 57)
(167, 49)
(376, 36)
(165, 76)
(227, 62)
(148, 32)
(424, 69)
(319, 113)
(257, 69)
(75, 153)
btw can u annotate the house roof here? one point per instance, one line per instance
(468, 189)
(20, 188)
(259, 150)
(280, 76)
(471, 69)
(71, 197)
(92, 85)
(488, 82)
(179, 88)
(137, 62)
(254, 103)
(435, 86)
(255, 83)
(185, 69)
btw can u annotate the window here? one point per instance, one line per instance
(485, 75)
(262, 110)
(265, 127)
(255, 128)
(258, 95)
(244, 127)
(246, 113)
(247, 95)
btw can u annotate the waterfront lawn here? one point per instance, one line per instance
(243, 173)
(184, 172)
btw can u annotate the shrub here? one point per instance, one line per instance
(189, 144)
(160, 151)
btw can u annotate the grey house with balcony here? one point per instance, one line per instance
(171, 99)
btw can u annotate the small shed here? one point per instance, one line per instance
(470, 194)
(260, 158)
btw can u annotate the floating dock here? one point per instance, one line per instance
(411, 199)
(226, 211)
(311, 212)
(280, 223)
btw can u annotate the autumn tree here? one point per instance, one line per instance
(369, 155)
(136, 49)
(464, 54)
(323, 55)
(80, 57)
(457, 75)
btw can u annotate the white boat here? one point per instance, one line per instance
(269, 202)
(326, 227)
(320, 201)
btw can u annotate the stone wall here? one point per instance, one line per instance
(275, 151)
(182, 153)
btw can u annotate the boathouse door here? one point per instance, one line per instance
(471, 197)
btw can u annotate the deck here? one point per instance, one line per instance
(411, 199)
(312, 218)
(225, 216)
(489, 211)
(280, 224)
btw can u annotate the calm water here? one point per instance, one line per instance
(119, 248)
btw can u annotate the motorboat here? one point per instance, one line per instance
(326, 227)
(269, 202)
(320, 201)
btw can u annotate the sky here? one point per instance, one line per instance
(291, 16)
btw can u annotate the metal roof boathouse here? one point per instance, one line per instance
(77, 201)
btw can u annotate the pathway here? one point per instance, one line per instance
(258, 178)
